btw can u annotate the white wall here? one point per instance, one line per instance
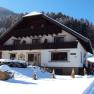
(10, 41)
(73, 60)
(82, 53)
(67, 36)
(27, 39)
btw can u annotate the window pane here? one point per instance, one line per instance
(12, 56)
(59, 56)
(16, 42)
(35, 41)
(58, 39)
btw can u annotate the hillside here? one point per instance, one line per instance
(5, 12)
(82, 26)
(7, 19)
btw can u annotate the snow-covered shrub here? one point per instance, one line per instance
(4, 68)
(34, 76)
(5, 72)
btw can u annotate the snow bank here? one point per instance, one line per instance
(22, 82)
(5, 68)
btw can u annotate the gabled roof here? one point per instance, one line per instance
(34, 13)
(83, 40)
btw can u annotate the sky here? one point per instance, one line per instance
(75, 8)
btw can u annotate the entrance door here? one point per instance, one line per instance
(34, 59)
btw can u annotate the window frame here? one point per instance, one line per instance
(32, 59)
(38, 41)
(12, 57)
(62, 60)
(57, 39)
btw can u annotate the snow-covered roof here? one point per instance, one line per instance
(91, 59)
(33, 14)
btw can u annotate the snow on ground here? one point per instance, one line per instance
(22, 83)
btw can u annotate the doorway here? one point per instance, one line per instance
(34, 59)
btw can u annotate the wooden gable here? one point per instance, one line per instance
(40, 25)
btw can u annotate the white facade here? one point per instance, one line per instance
(75, 56)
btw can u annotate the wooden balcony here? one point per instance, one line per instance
(62, 45)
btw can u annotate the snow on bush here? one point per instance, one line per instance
(5, 68)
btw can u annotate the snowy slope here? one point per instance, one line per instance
(22, 83)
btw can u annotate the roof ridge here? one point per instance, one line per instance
(33, 13)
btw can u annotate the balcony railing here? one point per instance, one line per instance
(40, 46)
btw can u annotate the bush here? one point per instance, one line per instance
(4, 75)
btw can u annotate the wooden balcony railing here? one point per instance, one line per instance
(40, 46)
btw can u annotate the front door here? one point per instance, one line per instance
(34, 59)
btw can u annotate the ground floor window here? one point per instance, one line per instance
(59, 56)
(12, 56)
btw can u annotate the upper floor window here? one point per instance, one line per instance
(59, 39)
(36, 41)
(23, 42)
(16, 42)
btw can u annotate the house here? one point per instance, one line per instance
(43, 41)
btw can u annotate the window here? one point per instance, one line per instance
(23, 42)
(45, 41)
(16, 42)
(35, 41)
(30, 57)
(12, 56)
(59, 56)
(58, 39)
